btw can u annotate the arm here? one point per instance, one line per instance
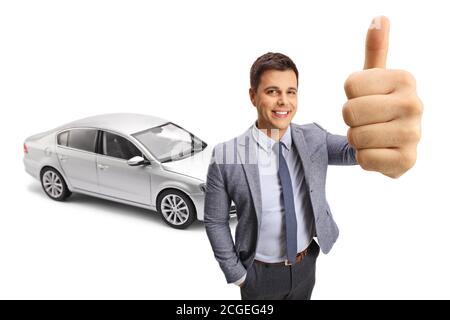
(340, 152)
(217, 216)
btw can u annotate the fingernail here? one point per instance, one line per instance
(375, 24)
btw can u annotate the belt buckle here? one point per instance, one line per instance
(287, 263)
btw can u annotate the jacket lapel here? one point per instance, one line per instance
(299, 141)
(248, 156)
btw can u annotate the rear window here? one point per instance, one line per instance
(82, 139)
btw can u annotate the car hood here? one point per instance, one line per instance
(195, 166)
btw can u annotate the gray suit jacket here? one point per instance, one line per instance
(233, 176)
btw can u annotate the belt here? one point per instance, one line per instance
(286, 262)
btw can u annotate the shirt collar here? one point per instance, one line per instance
(266, 143)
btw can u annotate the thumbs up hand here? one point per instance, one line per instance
(383, 110)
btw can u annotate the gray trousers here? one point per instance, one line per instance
(279, 282)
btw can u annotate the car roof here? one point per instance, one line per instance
(126, 123)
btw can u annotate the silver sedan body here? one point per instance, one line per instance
(135, 159)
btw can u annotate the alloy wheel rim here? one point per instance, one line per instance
(52, 184)
(174, 209)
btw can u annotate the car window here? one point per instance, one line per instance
(170, 142)
(62, 138)
(83, 139)
(119, 147)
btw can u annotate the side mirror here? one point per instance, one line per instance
(137, 161)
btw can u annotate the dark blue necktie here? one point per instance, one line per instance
(289, 207)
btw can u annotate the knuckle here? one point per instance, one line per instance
(363, 160)
(415, 107)
(411, 105)
(347, 114)
(405, 78)
(420, 106)
(406, 134)
(408, 159)
(350, 85)
(415, 134)
(351, 137)
(394, 175)
(405, 161)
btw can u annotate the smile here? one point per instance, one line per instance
(281, 114)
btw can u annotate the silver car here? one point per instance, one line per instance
(135, 159)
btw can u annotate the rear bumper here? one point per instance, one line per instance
(31, 167)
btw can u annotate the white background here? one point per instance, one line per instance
(188, 61)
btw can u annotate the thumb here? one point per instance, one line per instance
(377, 43)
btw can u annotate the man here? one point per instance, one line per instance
(275, 172)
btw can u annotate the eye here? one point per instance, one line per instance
(272, 92)
(292, 93)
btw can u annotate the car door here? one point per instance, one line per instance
(76, 154)
(116, 178)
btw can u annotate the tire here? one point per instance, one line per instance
(54, 185)
(176, 209)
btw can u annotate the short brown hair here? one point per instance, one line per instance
(270, 61)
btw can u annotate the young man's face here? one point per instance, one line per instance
(275, 99)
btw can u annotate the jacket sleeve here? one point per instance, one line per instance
(217, 216)
(340, 152)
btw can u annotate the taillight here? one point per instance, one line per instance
(25, 148)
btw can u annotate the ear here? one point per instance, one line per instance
(252, 94)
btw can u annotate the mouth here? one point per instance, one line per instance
(280, 113)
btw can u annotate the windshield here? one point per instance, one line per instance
(170, 142)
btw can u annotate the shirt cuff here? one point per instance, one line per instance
(241, 280)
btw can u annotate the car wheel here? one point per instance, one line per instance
(54, 185)
(176, 209)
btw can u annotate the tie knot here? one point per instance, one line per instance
(278, 148)
(278, 145)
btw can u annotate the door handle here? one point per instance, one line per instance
(102, 166)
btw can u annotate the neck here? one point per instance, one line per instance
(273, 133)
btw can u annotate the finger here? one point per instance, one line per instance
(372, 109)
(385, 161)
(392, 134)
(377, 43)
(374, 81)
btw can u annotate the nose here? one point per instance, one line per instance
(282, 99)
